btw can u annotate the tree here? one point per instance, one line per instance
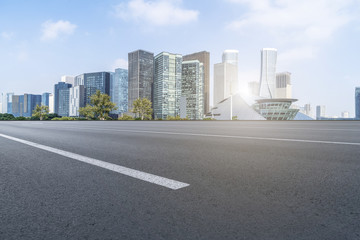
(142, 108)
(100, 106)
(87, 112)
(40, 112)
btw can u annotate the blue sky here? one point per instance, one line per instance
(317, 40)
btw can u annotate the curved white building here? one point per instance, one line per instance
(268, 73)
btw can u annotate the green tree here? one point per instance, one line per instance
(88, 112)
(100, 106)
(142, 108)
(40, 112)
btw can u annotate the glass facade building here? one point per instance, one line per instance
(204, 58)
(320, 112)
(119, 90)
(283, 85)
(167, 85)
(357, 103)
(24, 105)
(96, 81)
(9, 102)
(140, 76)
(268, 73)
(192, 88)
(76, 100)
(61, 99)
(45, 99)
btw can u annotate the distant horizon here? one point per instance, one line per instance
(53, 39)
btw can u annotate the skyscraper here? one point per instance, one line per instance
(225, 81)
(231, 56)
(268, 71)
(51, 103)
(320, 112)
(141, 76)
(167, 85)
(96, 81)
(24, 105)
(30, 103)
(45, 99)
(76, 100)
(9, 102)
(119, 90)
(357, 103)
(61, 98)
(192, 88)
(283, 85)
(68, 79)
(204, 58)
(3, 105)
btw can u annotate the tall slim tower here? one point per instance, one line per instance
(141, 76)
(268, 73)
(119, 90)
(167, 85)
(204, 58)
(320, 112)
(192, 88)
(357, 102)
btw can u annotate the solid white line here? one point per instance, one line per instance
(147, 177)
(221, 136)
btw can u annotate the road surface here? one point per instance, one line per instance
(180, 180)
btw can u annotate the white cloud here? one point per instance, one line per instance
(156, 13)
(301, 25)
(53, 30)
(7, 35)
(119, 63)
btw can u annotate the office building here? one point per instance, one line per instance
(3, 104)
(225, 81)
(320, 112)
(24, 105)
(51, 103)
(62, 98)
(68, 79)
(9, 102)
(231, 56)
(204, 58)
(167, 85)
(45, 99)
(357, 103)
(76, 100)
(268, 73)
(192, 88)
(307, 109)
(119, 90)
(140, 76)
(283, 85)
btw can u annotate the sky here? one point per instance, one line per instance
(317, 40)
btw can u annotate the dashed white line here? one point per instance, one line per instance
(147, 177)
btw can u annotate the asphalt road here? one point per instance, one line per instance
(240, 180)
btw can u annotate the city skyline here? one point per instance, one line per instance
(318, 49)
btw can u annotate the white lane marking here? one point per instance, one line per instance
(147, 177)
(220, 136)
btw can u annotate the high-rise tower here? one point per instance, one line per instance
(357, 103)
(204, 58)
(141, 79)
(268, 73)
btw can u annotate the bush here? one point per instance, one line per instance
(209, 119)
(6, 117)
(64, 119)
(21, 119)
(177, 118)
(126, 117)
